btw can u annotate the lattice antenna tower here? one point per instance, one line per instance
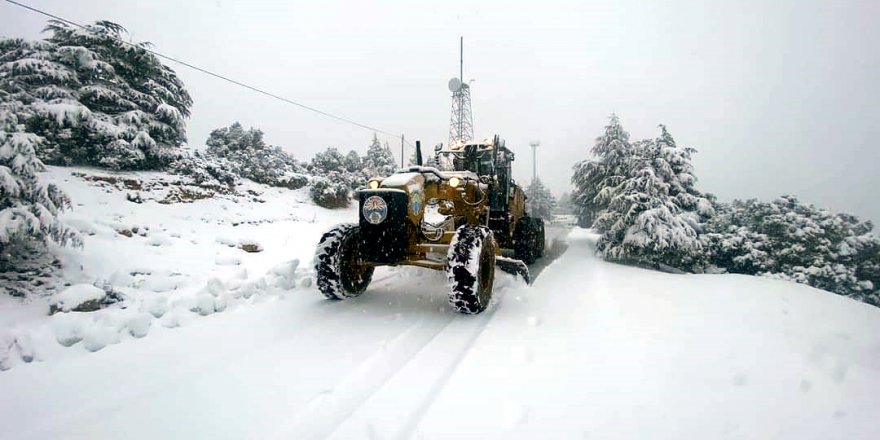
(461, 122)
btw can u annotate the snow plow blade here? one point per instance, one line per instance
(514, 267)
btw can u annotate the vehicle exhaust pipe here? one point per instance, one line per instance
(419, 153)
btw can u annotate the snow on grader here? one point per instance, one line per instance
(458, 220)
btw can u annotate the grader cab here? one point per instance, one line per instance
(464, 217)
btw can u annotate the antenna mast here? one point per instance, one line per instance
(461, 122)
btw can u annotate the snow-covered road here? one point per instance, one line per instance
(591, 350)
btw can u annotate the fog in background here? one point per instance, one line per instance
(778, 97)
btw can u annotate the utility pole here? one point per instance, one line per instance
(401, 151)
(535, 144)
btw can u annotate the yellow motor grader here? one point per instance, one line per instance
(464, 217)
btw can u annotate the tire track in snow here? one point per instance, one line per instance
(416, 417)
(326, 411)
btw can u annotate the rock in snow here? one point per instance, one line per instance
(79, 297)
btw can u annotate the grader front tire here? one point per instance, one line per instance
(470, 269)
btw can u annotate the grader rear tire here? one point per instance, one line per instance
(528, 239)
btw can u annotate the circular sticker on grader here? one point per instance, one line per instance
(375, 209)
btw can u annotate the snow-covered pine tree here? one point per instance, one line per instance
(379, 161)
(539, 201)
(254, 159)
(595, 179)
(429, 158)
(94, 99)
(643, 221)
(682, 179)
(29, 207)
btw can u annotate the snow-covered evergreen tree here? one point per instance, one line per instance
(429, 159)
(94, 99)
(379, 161)
(595, 179)
(652, 214)
(254, 159)
(539, 201)
(680, 175)
(353, 162)
(790, 240)
(29, 207)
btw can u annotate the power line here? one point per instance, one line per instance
(215, 75)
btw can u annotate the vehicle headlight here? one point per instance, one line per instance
(454, 182)
(374, 184)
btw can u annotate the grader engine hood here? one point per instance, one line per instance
(413, 184)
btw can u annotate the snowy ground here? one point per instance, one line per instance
(590, 350)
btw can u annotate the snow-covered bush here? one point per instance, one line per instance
(93, 99)
(790, 240)
(205, 169)
(253, 159)
(539, 201)
(328, 161)
(335, 167)
(352, 170)
(29, 207)
(330, 192)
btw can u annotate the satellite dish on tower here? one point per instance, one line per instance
(454, 85)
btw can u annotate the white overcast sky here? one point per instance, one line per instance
(777, 96)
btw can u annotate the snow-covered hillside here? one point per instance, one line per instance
(170, 261)
(244, 347)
